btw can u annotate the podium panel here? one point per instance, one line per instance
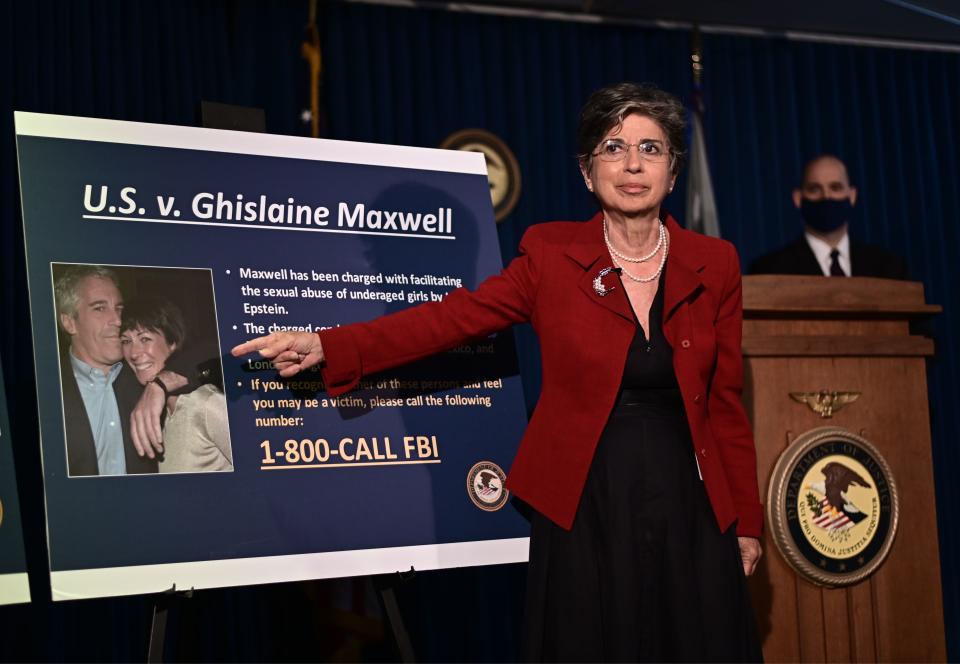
(826, 338)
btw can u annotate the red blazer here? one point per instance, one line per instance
(584, 339)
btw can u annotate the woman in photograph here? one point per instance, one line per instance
(196, 436)
(638, 461)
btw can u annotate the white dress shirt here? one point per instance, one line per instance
(822, 251)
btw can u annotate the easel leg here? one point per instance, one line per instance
(385, 585)
(158, 626)
(158, 629)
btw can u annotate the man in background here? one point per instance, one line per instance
(826, 199)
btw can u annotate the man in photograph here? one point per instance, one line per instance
(97, 402)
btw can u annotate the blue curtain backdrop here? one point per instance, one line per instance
(406, 76)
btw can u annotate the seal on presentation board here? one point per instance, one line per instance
(503, 171)
(486, 486)
(833, 507)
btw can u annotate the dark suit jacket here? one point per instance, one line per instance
(81, 450)
(584, 339)
(866, 260)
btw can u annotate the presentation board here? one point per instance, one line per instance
(14, 585)
(155, 248)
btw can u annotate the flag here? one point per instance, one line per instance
(701, 205)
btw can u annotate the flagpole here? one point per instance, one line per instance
(310, 51)
(696, 61)
(701, 204)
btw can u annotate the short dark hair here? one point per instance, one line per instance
(157, 314)
(607, 107)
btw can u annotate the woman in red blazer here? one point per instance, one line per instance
(633, 555)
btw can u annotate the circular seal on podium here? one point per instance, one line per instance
(832, 506)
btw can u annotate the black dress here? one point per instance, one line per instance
(645, 574)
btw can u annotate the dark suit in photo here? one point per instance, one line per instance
(81, 449)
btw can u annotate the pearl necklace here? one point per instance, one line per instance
(652, 277)
(631, 259)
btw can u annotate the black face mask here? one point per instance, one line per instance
(827, 214)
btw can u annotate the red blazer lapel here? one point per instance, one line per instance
(589, 251)
(683, 277)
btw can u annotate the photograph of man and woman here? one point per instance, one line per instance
(140, 370)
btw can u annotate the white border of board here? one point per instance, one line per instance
(148, 579)
(14, 588)
(244, 142)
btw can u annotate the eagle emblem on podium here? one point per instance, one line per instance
(835, 511)
(825, 403)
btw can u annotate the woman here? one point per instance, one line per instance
(196, 436)
(633, 556)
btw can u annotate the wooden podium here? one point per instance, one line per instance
(812, 334)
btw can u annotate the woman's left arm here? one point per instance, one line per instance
(728, 419)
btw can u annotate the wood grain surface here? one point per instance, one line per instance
(897, 613)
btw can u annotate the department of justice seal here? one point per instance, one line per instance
(485, 486)
(832, 506)
(503, 170)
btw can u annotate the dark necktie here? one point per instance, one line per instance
(835, 269)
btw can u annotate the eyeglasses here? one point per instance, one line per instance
(613, 149)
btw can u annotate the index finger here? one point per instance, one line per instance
(251, 346)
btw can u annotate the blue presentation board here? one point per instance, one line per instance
(14, 585)
(154, 249)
